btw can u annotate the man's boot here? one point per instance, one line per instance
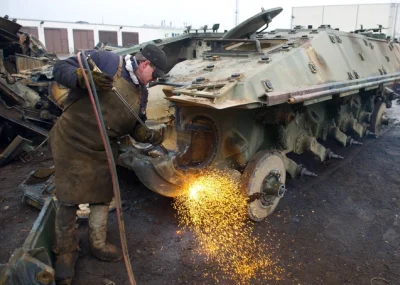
(66, 246)
(99, 245)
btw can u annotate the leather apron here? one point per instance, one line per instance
(81, 167)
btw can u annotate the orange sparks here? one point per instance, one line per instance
(215, 209)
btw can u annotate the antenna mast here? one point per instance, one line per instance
(237, 13)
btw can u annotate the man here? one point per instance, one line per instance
(82, 171)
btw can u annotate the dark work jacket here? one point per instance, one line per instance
(64, 72)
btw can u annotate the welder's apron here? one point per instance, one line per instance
(81, 167)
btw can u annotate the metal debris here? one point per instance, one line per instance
(31, 263)
(25, 75)
(38, 187)
(108, 282)
(17, 147)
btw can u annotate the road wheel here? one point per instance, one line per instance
(378, 118)
(263, 180)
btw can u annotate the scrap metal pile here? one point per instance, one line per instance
(27, 112)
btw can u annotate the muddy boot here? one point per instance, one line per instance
(99, 246)
(66, 246)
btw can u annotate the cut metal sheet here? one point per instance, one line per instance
(23, 95)
(58, 94)
(38, 186)
(32, 263)
(10, 26)
(25, 124)
(24, 62)
(17, 147)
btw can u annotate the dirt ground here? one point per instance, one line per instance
(340, 228)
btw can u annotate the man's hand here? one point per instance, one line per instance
(102, 81)
(154, 137)
(157, 136)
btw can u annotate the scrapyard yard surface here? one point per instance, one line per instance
(340, 228)
(17, 218)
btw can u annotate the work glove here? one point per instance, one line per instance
(102, 81)
(154, 137)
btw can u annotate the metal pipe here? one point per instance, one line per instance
(7, 91)
(395, 22)
(351, 83)
(155, 83)
(316, 95)
(358, 8)
(275, 98)
(233, 40)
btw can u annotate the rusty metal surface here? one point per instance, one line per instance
(25, 76)
(24, 117)
(38, 186)
(23, 95)
(8, 30)
(14, 149)
(32, 263)
(58, 93)
(25, 109)
(24, 62)
(10, 26)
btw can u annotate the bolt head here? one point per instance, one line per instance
(268, 84)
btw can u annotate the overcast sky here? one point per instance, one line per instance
(138, 13)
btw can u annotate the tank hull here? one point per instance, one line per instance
(279, 92)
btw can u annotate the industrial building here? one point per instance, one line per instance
(350, 17)
(68, 37)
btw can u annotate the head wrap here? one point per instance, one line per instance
(131, 65)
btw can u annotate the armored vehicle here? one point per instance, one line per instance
(251, 97)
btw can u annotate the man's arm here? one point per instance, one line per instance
(64, 71)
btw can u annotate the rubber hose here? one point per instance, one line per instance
(94, 99)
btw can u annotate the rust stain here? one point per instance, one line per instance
(316, 58)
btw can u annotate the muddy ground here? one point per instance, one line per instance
(340, 228)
